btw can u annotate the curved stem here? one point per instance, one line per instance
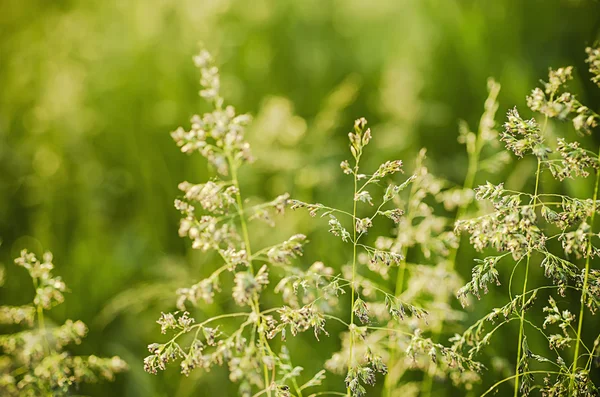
(516, 376)
(337, 210)
(200, 325)
(585, 281)
(547, 338)
(391, 330)
(336, 319)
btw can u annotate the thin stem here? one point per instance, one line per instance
(510, 280)
(521, 327)
(200, 325)
(402, 269)
(378, 209)
(352, 286)
(367, 183)
(585, 281)
(337, 210)
(388, 382)
(521, 323)
(523, 301)
(391, 330)
(591, 355)
(516, 376)
(245, 234)
(40, 317)
(329, 316)
(263, 340)
(240, 207)
(248, 210)
(296, 387)
(460, 213)
(260, 393)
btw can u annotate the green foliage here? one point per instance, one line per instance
(89, 89)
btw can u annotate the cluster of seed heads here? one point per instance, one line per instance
(398, 309)
(523, 226)
(34, 361)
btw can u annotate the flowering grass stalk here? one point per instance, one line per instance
(524, 226)
(34, 362)
(475, 143)
(429, 233)
(586, 282)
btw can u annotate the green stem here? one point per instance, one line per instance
(523, 301)
(585, 281)
(392, 330)
(516, 376)
(246, 237)
(389, 382)
(522, 317)
(352, 286)
(521, 328)
(401, 273)
(460, 213)
(40, 318)
(240, 206)
(297, 388)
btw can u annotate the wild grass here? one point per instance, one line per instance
(35, 361)
(398, 309)
(547, 228)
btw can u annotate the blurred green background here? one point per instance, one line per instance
(89, 91)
